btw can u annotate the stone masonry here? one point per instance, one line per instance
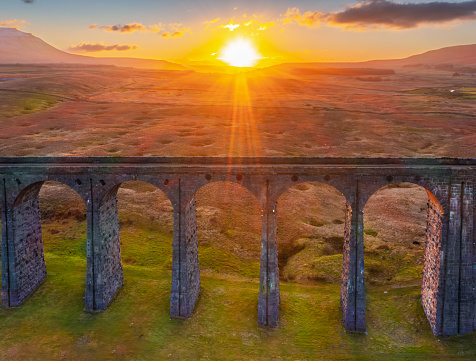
(449, 274)
(29, 266)
(431, 278)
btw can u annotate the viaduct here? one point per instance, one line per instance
(449, 275)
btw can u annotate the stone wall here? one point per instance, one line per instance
(29, 269)
(107, 249)
(430, 288)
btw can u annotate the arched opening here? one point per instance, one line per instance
(311, 236)
(403, 225)
(49, 237)
(136, 232)
(229, 233)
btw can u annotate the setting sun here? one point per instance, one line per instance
(240, 53)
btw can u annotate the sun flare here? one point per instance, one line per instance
(240, 52)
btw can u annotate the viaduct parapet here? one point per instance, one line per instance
(449, 275)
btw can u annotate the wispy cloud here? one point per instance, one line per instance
(265, 26)
(157, 28)
(250, 24)
(178, 33)
(171, 30)
(15, 23)
(208, 23)
(231, 27)
(124, 29)
(309, 18)
(97, 47)
(387, 14)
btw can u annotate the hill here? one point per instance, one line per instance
(17, 47)
(453, 57)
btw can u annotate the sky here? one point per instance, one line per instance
(304, 30)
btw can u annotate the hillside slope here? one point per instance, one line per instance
(17, 47)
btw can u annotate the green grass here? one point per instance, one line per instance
(137, 326)
(371, 232)
(36, 103)
(17, 104)
(451, 92)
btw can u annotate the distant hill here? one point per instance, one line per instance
(17, 47)
(458, 56)
(463, 55)
(303, 70)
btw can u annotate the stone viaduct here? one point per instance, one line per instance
(449, 276)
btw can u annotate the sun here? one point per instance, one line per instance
(240, 52)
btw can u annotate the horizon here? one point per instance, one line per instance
(279, 32)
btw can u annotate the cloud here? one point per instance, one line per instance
(208, 23)
(157, 28)
(250, 24)
(265, 26)
(15, 23)
(310, 18)
(124, 29)
(231, 27)
(178, 33)
(28, 1)
(391, 14)
(171, 30)
(387, 14)
(96, 47)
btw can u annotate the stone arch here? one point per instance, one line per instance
(348, 276)
(433, 265)
(186, 283)
(229, 181)
(333, 182)
(27, 267)
(310, 200)
(253, 184)
(438, 192)
(108, 263)
(237, 202)
(229, 223)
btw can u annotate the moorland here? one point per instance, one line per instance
(289, 110)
